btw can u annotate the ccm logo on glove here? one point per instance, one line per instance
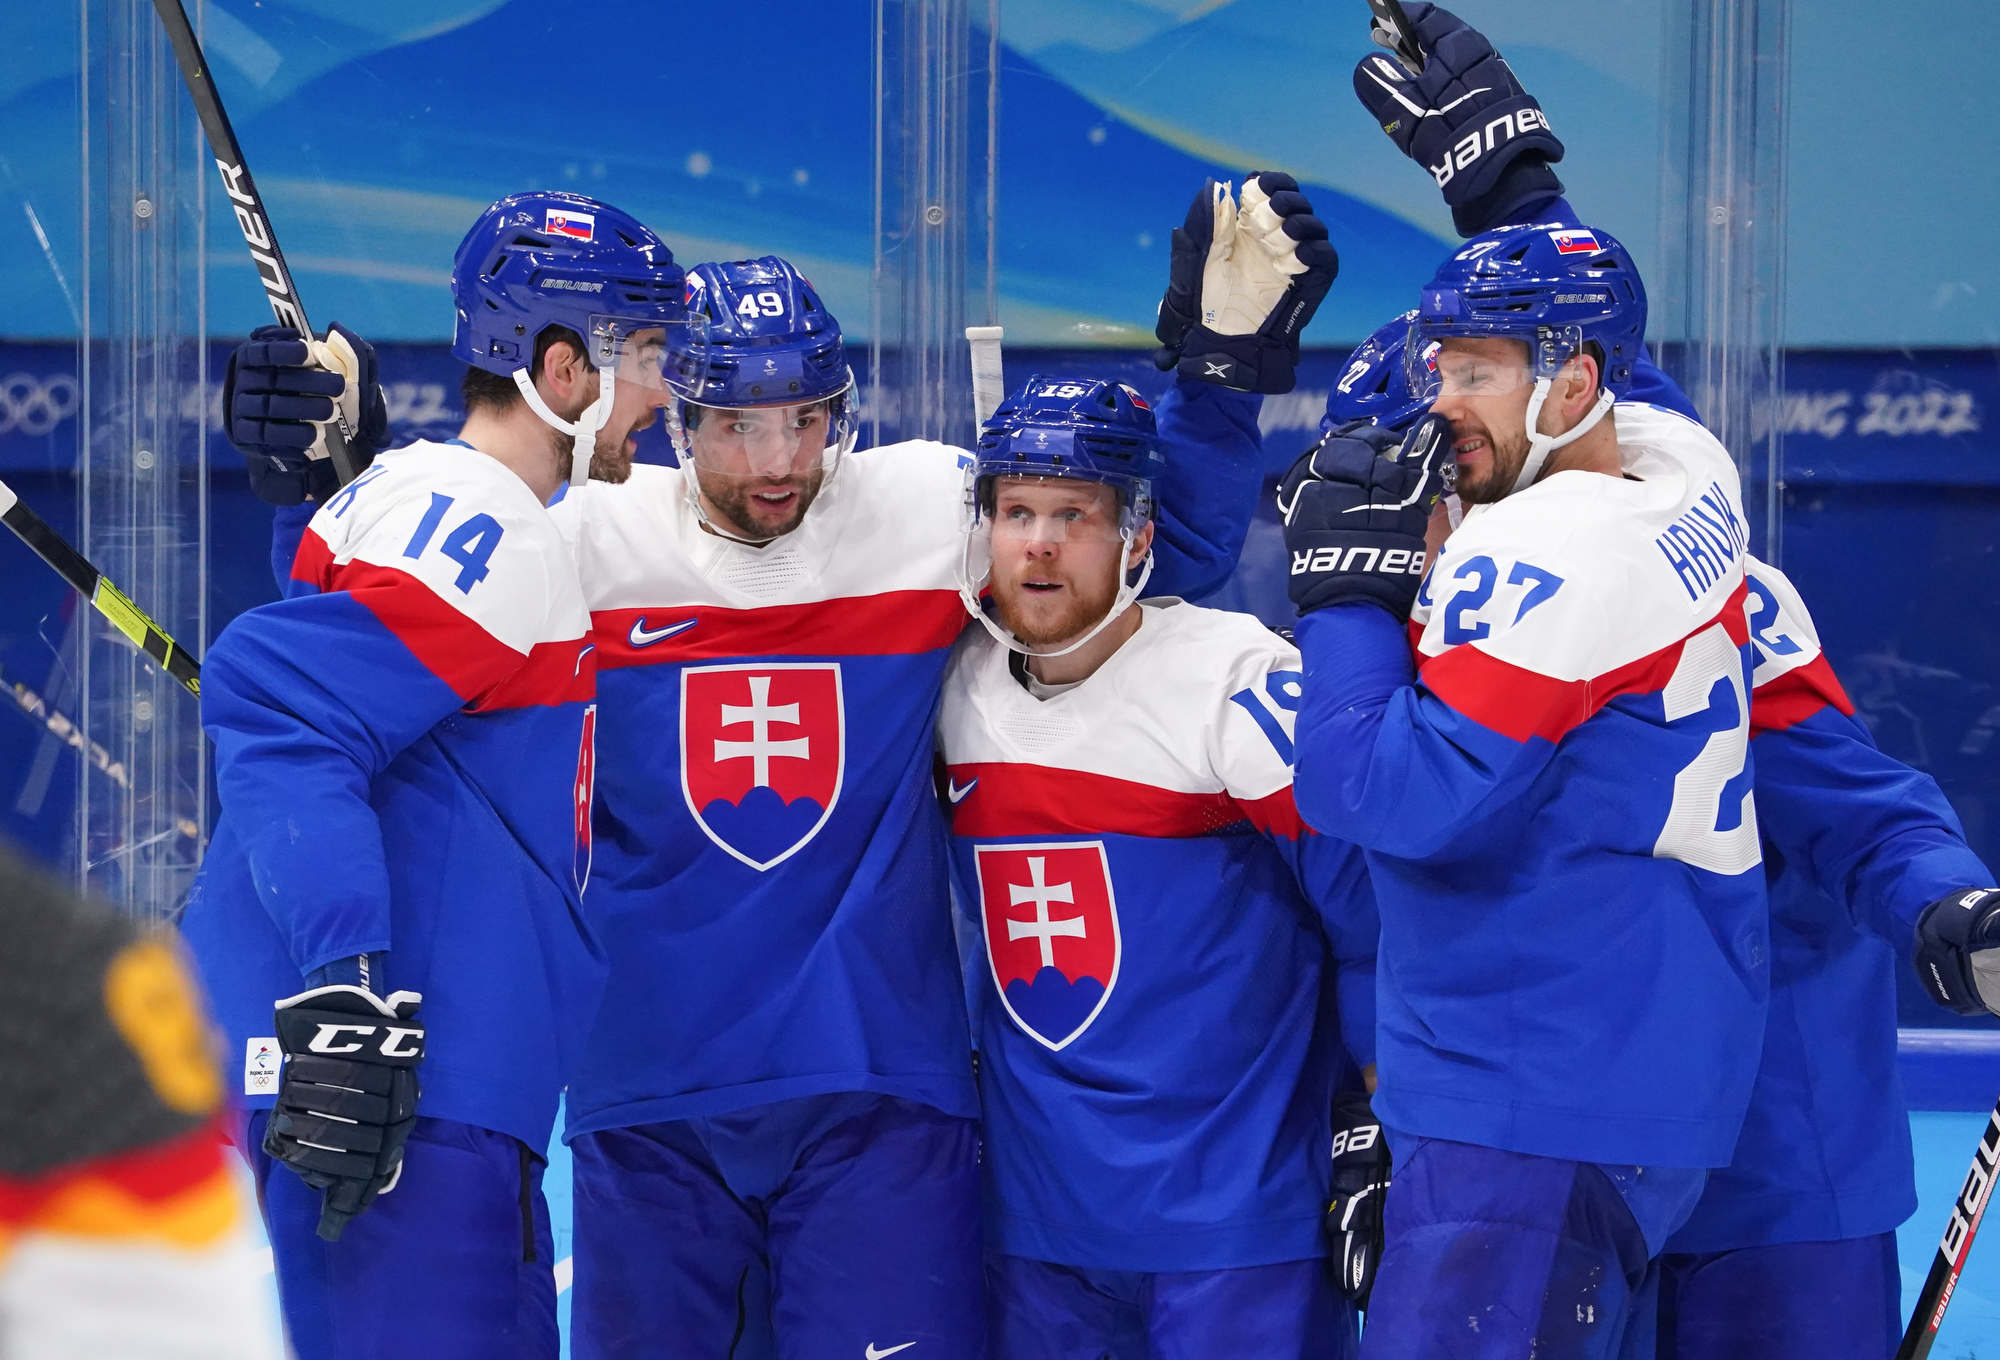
(396, 1041)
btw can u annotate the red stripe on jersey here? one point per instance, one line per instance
(556, 673)
(1789, 699)
(1034, 800)
(481, 669)
(1276, 814)
(1520, 703)
(1417, 643)
(312, 561)
(899, 623)
(450, 645)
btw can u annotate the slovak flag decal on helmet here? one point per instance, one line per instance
(1574, 241)
(577, 226)
(1052, 941)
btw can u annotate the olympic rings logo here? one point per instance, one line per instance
(35, 406)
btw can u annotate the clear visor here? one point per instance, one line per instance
(634, 349)
(1018, 510)
(766, 443)
(1436, 367)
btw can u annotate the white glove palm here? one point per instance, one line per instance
(1251, 262)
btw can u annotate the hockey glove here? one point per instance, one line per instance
(1464, 118)
(1361, 1166)
(347, 1095)
(278, 396)
(1243, 282)
(1958, 951)
(1355, 507)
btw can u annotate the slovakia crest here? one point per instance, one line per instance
(763, 751)
(1051, 934)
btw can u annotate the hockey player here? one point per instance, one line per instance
(1561, 793)
(123, 1229)
(1791, 1250)
(404, 755)
(1159, 1045)
(779, 1081)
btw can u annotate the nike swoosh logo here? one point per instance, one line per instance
(642, 636)
(874, 1354)
(957, 795)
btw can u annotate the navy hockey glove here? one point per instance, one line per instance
(1355, 507)
(1244, 280)
(278, 393)
(1958, 951)
(1464, 118)
(347, 1095)
(1361, 1165)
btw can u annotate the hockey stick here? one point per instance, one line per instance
(1390, 16)
(106, 598)
(989, 385)
(1966, 1212)
(251, 217)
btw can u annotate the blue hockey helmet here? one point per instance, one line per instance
(1554, 288)
(1375, 384)
(541, 259)
(537, 260)
(769, 340)
(765, 344)
(1072, 427)
(1078, 429)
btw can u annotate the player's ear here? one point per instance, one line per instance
(562, 369)
(1580, 377)
(1142, 543)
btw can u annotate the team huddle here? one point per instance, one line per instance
(948, 939)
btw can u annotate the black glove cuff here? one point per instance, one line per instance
(1526, 182)
(1244, 363)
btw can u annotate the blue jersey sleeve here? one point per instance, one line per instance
(1209, 491)
(288, 529)
(1869, 830)
(1334, 877)
(1381, 758)
(308, 701)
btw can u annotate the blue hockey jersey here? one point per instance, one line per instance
(1558, 814)
(1158, 1035)
(403, 752)
(771, 867)
(1856, 844)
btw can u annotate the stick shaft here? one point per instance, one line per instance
(106, 598)
(1968, 1210)
(989, 385)
(252, 218)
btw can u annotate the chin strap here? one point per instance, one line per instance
(968, 591)
(583, 430)
(1540, 445)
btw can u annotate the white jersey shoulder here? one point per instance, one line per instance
(1197, 701)
(1583, 573)
(1782, 634)
(888, 519)
(470, 530)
